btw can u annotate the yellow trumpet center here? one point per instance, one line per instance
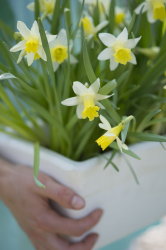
(32, 46)
(122, 55)
(159, 10)
(48, 6)
(119, 18)
(90, 110)
(59, 53)
(87, 25)
(104, 141)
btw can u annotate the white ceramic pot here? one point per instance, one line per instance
(127, 206)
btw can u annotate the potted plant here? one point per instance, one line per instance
(108, 64)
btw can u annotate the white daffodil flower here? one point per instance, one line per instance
(118, 49)
(46, 6)
(120, 15)
(31, 44)
(87, 100)
(59, 50)
(89, 29)
(156, 10)
(105, 3)
(111, 135)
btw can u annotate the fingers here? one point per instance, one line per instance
(86, 244)
(52, 222)
(64, 196)
(52, 242)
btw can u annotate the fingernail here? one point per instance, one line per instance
(97, 214)
(77, 202)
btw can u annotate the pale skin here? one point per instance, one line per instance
(31, 208)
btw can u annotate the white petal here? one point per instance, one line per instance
(131, 43)
(73, 59)
(100, 26)
(113, 64)
(133, 60)
(106, 124)
(101, 125)
(120, 144)
(62, 38)
(79, 110)
(100, 97)
(105, 54)
(107, 39)
(19, 46)
(71, 101)
(150, 16)
(6, 76)
(50, 37)
(55, 66)
(21, 55)
(95, 86)
(30, 58)
(123, 36)
(125, 147)
(24, 31)
(42, 53)
(35, 29)
(79, 88)
(100, 105)
(142, 6)
(31, 6)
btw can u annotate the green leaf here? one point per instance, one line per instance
(37, 9)
(128, 152)
(87, 63)
(56, 17)
(132, 22)
(112, 16)
(125, 131)
(36, 164)
(146, 119)
(111, 111)
(107, 88)
(109, 161)
(132, 170)
(148, 137)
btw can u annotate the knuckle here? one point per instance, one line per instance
(39, 221)
(64, 194)
(80, 230)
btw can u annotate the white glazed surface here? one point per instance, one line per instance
(127, 206)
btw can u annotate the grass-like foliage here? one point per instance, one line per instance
(129, 93)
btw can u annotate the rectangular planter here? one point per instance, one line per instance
(127, 206)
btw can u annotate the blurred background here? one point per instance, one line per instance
(11, 236)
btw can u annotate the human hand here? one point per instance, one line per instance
(44, 226)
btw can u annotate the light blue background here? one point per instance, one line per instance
(11, 236)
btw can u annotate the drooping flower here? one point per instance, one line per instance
(46, 6)
(87, 100)
(118, 49)
(156, 10)
(31, 44)
(59, 50)
(88, 25)
(111, 135)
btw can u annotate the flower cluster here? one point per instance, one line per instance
(103, 46)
